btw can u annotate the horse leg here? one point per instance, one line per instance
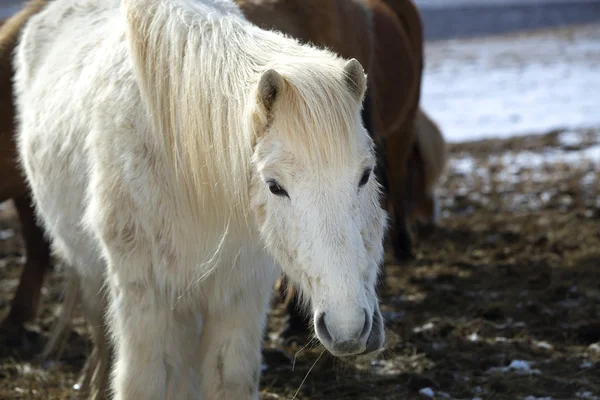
(424, 201)
(25, 304)
(296, 325)
(231, 350)
(143, 336)
(399, 192)
(95, 374)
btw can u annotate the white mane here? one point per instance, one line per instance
(201, 98)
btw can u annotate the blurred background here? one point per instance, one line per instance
(508, 67)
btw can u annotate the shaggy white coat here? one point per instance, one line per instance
(149, 132)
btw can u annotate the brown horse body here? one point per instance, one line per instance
(396, 78)
(429, 156)
(12, 184)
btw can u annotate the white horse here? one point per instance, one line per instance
(177, 154)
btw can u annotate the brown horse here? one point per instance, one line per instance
(12, 184)
(397, 74)
(429, 155)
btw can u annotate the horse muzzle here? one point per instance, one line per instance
(351, 335)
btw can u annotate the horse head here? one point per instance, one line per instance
(315, 197)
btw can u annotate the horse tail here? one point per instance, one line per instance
(432, 147)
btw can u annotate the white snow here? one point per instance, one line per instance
(513, 85)
(544, 345)
(513, 163)
(473, 337)
(6, 234)
(519, 367)
(569, 138)
(551, 156)
(427, 327)
(428, 392)
(586, 395)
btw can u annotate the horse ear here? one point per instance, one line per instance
(355, 78)
(270, 86)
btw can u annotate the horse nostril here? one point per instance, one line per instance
(366, 327)
(322, 329)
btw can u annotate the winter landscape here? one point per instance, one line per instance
(502, 300)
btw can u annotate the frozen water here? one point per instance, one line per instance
(513, 84)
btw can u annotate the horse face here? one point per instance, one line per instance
(318, 210)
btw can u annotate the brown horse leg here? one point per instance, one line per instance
(26, 301)
(423, 210)
(402, 240)
(398, 201)
(296, 325)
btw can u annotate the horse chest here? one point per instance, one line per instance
(250, 272)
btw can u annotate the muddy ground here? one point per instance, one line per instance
(501, 302)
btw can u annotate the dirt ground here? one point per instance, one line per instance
(501, 302)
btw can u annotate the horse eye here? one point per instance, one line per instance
(276, 189)
(365, 177)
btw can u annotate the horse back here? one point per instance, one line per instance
(341, 25)
(397, 71)
(411, 20)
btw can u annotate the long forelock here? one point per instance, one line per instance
(319, 115)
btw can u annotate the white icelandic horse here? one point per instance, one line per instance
(178, 155)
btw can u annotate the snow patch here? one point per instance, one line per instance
(6, 234)
(427, 327)
(473, 337)
(569, 139)
(519, 367)
(511, 85)
(586, 395)
(544, 345)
